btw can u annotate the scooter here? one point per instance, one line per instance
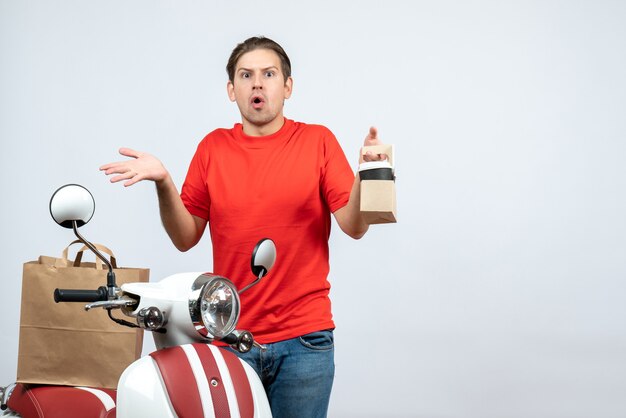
(187, 376)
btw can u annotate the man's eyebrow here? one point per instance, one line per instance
(271, 67)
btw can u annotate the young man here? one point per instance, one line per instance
(267, 177)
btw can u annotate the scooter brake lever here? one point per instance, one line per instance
(110, 304)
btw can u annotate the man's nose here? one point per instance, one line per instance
(257, 81)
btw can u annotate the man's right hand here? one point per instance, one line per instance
(142, 166)
(184, 229)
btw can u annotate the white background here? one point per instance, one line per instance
(500, 292)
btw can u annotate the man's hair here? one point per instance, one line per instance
(254, 43)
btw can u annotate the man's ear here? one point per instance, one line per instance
(288, 87)
(230, 88)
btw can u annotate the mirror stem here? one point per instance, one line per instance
(254, 282)
(111, 285)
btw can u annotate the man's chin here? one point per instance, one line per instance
(260, 120)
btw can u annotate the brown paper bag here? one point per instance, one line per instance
(378, 188)
(61, 343)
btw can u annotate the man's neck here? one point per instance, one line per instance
(269, 128)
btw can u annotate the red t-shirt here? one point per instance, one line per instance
(282, 186)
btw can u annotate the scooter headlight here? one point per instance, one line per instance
(219, 307)
(214, 307)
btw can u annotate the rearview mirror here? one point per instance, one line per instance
(72, 203)
(263, 258)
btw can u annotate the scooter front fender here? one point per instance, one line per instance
(197, 380)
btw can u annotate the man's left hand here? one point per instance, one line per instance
(372, 139)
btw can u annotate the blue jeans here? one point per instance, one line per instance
(297, 374)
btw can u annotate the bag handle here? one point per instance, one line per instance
(64, 261)
(102, 249)
(386, 149)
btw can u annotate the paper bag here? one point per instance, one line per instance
(61, 343)
(378, 187)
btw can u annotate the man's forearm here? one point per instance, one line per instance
(179, 224)
(349, 217)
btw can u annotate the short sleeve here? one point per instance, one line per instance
(195, 193)
(337, 177)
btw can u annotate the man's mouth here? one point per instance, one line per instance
(257, 102)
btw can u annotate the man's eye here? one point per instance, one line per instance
(270, 74)
(245, 75)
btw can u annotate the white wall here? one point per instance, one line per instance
(500, 293)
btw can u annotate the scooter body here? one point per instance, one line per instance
(187, 376)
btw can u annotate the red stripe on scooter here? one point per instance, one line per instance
(180, 382)
(38, 401)
(241, 384)
(218, 392)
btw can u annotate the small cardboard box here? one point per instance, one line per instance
(378, 187)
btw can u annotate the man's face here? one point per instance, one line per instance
(260, 89)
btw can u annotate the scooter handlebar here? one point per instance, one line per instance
(79, 295)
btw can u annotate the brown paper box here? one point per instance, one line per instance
(378, 201)
(378, 197)
(61, 343)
